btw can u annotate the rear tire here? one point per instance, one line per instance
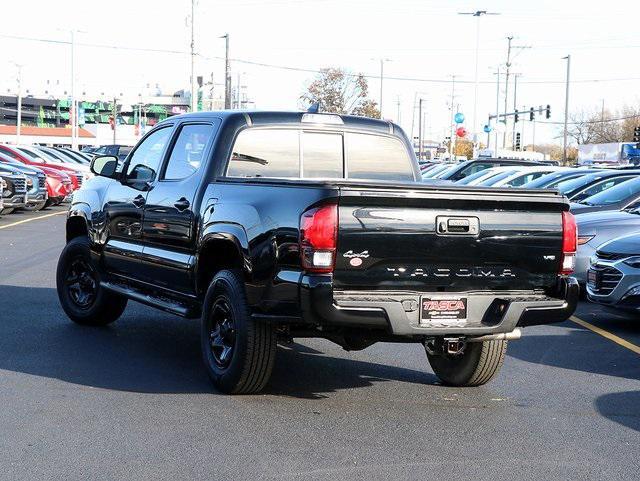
(78, 284)
(477, 365)
(238, 352)
(8, 210)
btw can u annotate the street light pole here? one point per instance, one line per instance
(19, 112)
(451, 122)
(477, 14)
(420, 129)
(73, 114)
(566, 110)
(227, 73)
(194, 90)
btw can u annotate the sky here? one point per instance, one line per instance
(426, 43)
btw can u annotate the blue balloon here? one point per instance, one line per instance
(487, 128)
(459, 118)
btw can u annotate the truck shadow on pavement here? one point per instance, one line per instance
(621, 407)
(152, 352)
(576, 349)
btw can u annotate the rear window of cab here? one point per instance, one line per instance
(296, 153)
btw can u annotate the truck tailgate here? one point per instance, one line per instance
(435, 239)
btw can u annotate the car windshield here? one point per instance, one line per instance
(435, 170)
(615, 194)
(572, 184)
(547, 179)
(470, 178)
(496, 178)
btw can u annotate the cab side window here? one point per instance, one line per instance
(188, 151)
(266, 153)
(145, 161)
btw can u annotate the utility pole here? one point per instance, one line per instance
(495, 154)
(420, 129)
(506, 89)
(398, 114)
(382, 61)
(566, 110)
(227, 73)
(451, 122)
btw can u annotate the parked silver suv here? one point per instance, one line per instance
(614, 275)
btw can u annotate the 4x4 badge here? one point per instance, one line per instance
(350, 254)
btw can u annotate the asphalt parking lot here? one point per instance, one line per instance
(132, 400)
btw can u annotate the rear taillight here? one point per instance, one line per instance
(569, 243)
(318, 237)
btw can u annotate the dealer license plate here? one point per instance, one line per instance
(443, 309)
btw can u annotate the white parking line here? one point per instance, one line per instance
(32, 218)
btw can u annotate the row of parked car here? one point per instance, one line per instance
(606, 203)
(34, 177)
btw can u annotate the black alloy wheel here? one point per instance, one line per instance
(222, 332)
(82, 283)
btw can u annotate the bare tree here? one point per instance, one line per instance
(631, 121)
(341, 92)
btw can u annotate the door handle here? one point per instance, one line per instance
(139, 201)
(182, 204)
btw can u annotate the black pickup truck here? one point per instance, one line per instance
(270, 226)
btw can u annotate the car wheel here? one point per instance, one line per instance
(78, 284)
(476, 365)
(36, 206)
(8, 210)
(238, 352)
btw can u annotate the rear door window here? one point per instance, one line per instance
(376, 157)
(266, 153)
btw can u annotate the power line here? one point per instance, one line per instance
(308, 70)
(603, 121)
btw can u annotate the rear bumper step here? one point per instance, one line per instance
(398, 312)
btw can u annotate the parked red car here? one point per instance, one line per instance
(57, 182)
(16, 153)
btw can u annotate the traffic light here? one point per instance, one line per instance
(548, 114)
(636, 134)
(517, 140)
(515, 118)
(531, 114)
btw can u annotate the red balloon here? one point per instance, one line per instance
(461, 132)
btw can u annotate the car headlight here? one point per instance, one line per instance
(631, 293)
(633, 262)
(29, 183)
(583, 239)
(593, 260)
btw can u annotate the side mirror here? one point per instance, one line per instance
(105, 166)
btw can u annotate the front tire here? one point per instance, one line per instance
(7, 210)
(477, 365)
(35, 207)
(237, 351)
(78, 285)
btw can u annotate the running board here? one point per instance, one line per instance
(166, 304)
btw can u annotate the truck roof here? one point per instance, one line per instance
(260, 117)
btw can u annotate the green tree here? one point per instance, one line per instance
(341, 92)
